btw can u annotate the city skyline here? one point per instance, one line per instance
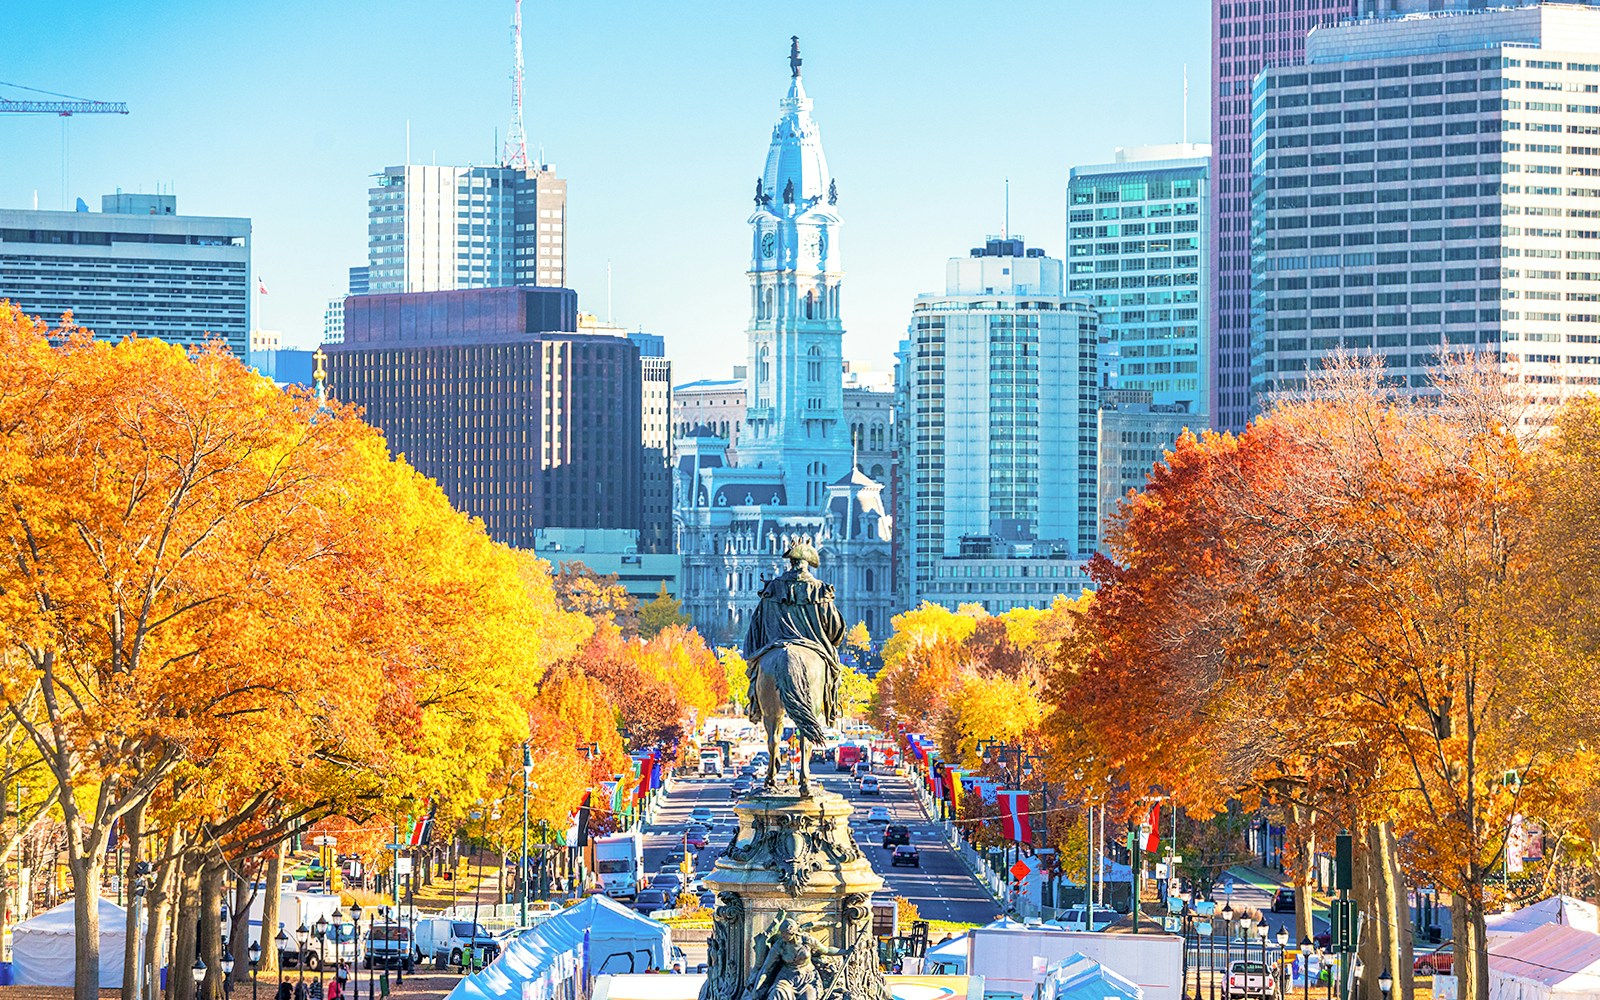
(613, 106)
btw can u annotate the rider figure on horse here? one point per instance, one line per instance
(796, 613)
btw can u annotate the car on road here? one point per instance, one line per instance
(1283, 901)
(740, 787)
(879, 814)
(708, 900)
(748, 771)
(896, 833)
(862, 769)
(869, 785)
(700, 814)
(674, 861)
(1437, 962)
(905, 854)
(1248, 979)
(649, 900)
(696, 837)
(1101, 916)
(670, 883)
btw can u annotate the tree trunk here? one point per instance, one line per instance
(1472, 952)
(159, 923)
(185, 939)
(272, 882)
(1386, 932)
(86, 924)
(209, 919)
(239, 933)
(133, 826)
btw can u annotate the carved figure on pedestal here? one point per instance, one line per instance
(792, 652)
(723, 976)
(794, 967)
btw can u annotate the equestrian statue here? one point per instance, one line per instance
(792, 660)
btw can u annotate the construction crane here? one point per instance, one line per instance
(66, 107)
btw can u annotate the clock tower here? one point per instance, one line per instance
(795, 388)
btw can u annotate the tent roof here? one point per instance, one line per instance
(1552, 954)
(956, 947)
(1078, 977)
(1555, 910)
(59, 920)
(604, 917)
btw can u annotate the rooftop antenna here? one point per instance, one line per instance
(1186, 104)
(516, 149)
(1005, 224)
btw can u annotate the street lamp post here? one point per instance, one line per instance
(322, 952)
(1261, 932)
(198, 971)
(1306, 948)
(1283, 966)
(300, 936)
(282, 941)
(1227, 947)
(522, 870)
(1385, 983)
(255, 960)
(355, 934)
(227, 970)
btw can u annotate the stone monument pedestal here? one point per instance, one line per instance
(793, 882)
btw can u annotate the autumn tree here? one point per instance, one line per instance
(660, 614)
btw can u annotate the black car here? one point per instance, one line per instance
(905, 854)
(896, 833)
(650, 900)
(1283, 901)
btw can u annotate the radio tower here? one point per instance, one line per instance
(516, 151)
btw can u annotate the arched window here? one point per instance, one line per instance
(766, 302)
(764, 373)
(869, 581)
(811, 304)
(814, 364)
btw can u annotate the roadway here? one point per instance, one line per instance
(942, 889)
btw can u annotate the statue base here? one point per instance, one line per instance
(793, 880)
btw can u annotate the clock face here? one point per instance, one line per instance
(812, 242)
(769, 244)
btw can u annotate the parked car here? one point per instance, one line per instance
(896, 833)
(878, 815)
(700, 814)
(1101, 916)
(1436, 962)
(1248, 979)
(696, 837)
(869, 786)
(1283, 901)
(905, 854)
(647, 901)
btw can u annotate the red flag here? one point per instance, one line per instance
(1152, 840)
(1014, 820)
(261, 286)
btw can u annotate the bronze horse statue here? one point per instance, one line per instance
(792, 660)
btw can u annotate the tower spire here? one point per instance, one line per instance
(794, 53)
(516, 148)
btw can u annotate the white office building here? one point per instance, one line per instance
(1431, 185)
(432, 228)
(997, 399)
(134, 267)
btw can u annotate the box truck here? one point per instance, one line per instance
(303, 909)
(619, 861)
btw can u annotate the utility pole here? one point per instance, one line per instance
(522, 870)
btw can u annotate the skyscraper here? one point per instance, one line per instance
(134, 267)
(1246, 35)
(795, 480)
(1137, 243)
(997, 388)
(522, 422)
(1431, 185)
(432, 229)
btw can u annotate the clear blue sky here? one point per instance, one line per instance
(658, 115)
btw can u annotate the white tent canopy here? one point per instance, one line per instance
(1555, 910)
(950, 957)
(1552, 962)
(44, 949)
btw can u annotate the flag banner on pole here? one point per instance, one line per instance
(582, 837)
(1152, 839)
(953, 785)
(261, 286)
(657, 772)
(422, 828)
(1014, 819)
(646, 774)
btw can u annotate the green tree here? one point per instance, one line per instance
(661, 614)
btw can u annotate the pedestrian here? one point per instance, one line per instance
(285, 991)
(341, 975)
(300, 991)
